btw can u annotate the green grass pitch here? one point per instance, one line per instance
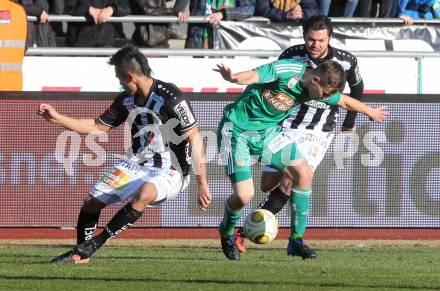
(198, 267)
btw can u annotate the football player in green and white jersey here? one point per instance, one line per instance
(249, 130)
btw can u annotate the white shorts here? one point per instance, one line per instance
(312, 144)
(124, 179)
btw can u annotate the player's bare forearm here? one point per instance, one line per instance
(197, 155)
(352, 104)
(84, 126)
(247, 77)
(375, 114)
(242, 78)
(199, 163)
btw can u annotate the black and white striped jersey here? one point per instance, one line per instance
(316, 115)
(157, 126)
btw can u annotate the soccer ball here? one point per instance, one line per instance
(260, 226)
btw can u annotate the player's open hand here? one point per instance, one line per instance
(205, 197)
(378, 114)
(226, 73)
(48, 112)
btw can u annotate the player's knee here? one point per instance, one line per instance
(146, 195)
(267, 184)
(286, 184)
(91, 205)
(269, 181)
(267, 187)
(301, 175)
(245, 200)
(305, 177)
(307, 173)
(238, 202)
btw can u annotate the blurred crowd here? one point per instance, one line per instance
(98, 32)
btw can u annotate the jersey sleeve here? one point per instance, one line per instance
(353, 74)
(333, 99)
(116, 114)
(277, 70)
(182, 110)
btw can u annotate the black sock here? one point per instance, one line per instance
(86, 225)
(275, 201)
(124, 218)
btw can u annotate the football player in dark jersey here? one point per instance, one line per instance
(312, 125)
(157, 166)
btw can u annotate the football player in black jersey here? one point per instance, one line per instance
(311, 126)
(157, 166)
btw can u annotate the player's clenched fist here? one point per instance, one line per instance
(48, 112)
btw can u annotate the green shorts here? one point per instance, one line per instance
(240, 150)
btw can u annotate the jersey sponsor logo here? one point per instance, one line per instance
(313, 138)
(317, 104)
(184, 114)
(357, 74)
(128, 102)
(293, 81)
(280, 102)
(5, 17)
(115, 178)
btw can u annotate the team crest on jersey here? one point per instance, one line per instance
(293, 81)
(280, 101)
(128, 102)
(5, 17)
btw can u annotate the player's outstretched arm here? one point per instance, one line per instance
(199, 164)
(84, 126)
(375, 114)
(242, 78)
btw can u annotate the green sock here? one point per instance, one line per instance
(230, 218)
(300, 209)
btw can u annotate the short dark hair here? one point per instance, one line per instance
(130, 58)
(317, 22)
(331, 74)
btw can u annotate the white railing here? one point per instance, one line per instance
(201, 19)
(57, 51)
(139, 19)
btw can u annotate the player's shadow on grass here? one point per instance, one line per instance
(210, 281)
